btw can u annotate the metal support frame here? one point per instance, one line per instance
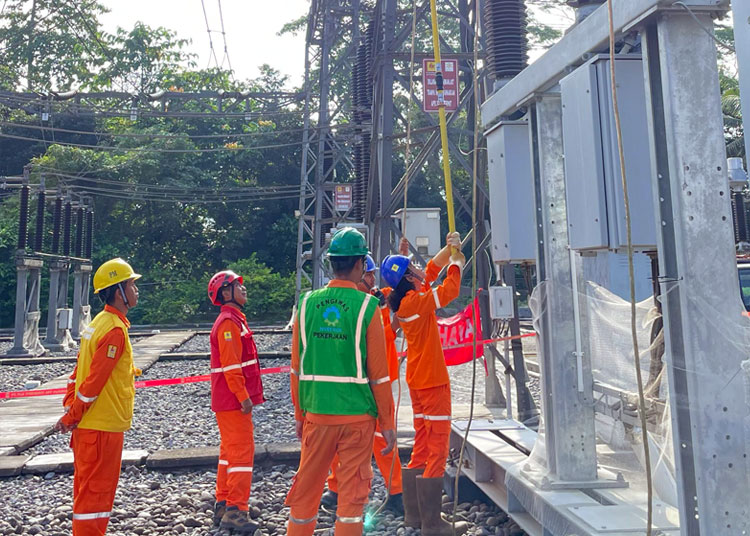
(81, 307)
(567, 397)
(26, 333)
(741, 16)
(332, 25)
(707, 399)
(57, 339)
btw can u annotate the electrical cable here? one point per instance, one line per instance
(210, 38)
(711, 34)
(154, 149)
(137, 135)
(224, 35)
(631, 273)
(474, 291)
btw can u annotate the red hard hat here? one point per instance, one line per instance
(219, 280)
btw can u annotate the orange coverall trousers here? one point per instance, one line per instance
(320, 443)
(389, 468)
(432, 426)
(96, 463)
(234, 474)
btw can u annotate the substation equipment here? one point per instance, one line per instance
(66, 251)
(557, 202)
(372, 48)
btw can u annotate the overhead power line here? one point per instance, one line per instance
(224, 35)
(212, 52)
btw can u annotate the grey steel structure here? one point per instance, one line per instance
(708, 405)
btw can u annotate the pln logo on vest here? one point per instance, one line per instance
(331, 316)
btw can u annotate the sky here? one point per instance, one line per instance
(250, 26)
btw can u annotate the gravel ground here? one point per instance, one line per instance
(180, 416)
(150, 502)
(273, 342)
(13, 377)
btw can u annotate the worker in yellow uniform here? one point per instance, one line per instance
(340, 387)
(235, 388)
(389, 465)
(100, 402)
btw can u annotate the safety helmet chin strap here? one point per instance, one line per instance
(231, 300)
(124, 296)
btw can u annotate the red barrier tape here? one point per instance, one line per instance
(207, 377)
(138, 384)
(485, 341)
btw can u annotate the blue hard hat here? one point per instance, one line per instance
(370, 265)
(393, 269)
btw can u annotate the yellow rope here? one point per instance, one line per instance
(443, 122)
(639, 378)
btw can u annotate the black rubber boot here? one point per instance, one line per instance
(430, 495)
(330, 499)
(409, 497)
(236, 520)
(219, 508)
(395, 504)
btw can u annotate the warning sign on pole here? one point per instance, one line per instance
(431, 97)
(342, 197)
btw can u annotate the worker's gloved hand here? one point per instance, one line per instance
(379, 295)
(390, 441)
(453, 239)
(64, 425)
(458, 258)
(403, 246)
(247, 406)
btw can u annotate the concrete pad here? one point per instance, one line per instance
(283, 452)
(134, 457)
(171, 458)
(12, 465)
(45, 463)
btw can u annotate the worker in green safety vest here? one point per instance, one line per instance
(340, 387)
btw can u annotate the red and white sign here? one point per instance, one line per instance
(342, 197)
(430, 97)
(457, 334)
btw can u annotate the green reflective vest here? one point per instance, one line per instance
(333, 352)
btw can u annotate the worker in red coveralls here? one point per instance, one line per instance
(389, 464)
(99, 401)
(235, 388)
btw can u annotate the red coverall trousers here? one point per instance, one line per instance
(432, 426)
(234, 475)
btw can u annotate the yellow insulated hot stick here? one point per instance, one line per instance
(443, 122)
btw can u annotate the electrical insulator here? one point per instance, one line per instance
(740, 222)
(56, 225)
(23, 216)
(67, 221)
(504, 25)
(40, 202)
(79, 233)
(89, 233)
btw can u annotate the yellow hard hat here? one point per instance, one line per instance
(112, 272)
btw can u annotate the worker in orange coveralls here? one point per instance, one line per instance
(389, 465)
(235, 388)
(340, 386)
(100, 399)
(415, 303)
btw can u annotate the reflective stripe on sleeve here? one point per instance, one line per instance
(89, 517)
(240, 470)
(437, 299)
(223, 462)
(86, 399)
(233, 367)
(381, 380)
(71, 381)
(437, 417)
(356, 519)
(333, 379)
(408, 319)
(418, 416)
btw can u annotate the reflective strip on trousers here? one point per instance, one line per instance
(240, 470)
(233, 367)
(302, 521)
(437, 417)
(357, 519)
(409, 318)
(89, 517)
(418, 416)
(223, 462)
(378, 434)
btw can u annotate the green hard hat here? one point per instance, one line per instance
(347, 242)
